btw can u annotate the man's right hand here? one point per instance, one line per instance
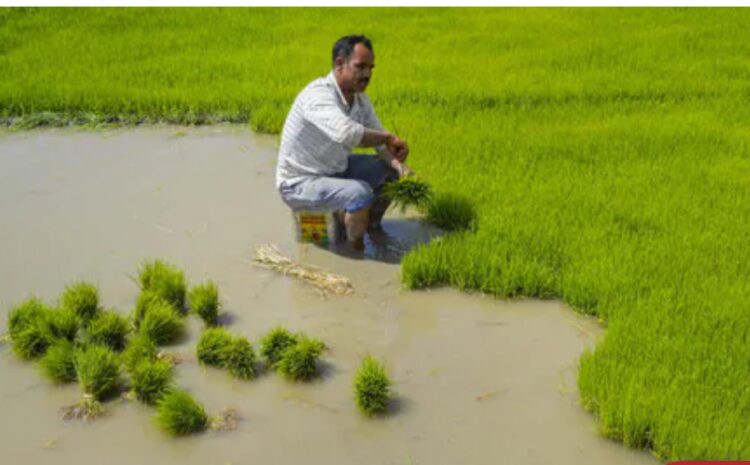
(398, 147)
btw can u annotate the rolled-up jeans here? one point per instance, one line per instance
(358, 187)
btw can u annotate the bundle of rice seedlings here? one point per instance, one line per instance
(452, 213)
(58, 364)
(60, 323)
(145, 300)
(30, 342)
(409, 191)
(274, 343)
(98, 371)
(240, 358)
(179, 414)
(298, 362)
(213, 346)
(204, 302)
(24, 315)
(165, 280)
(270, 256)
(151, 380)
(162, 324)
(371, 387)
(109, 329)
(140, 348)
(82, 298)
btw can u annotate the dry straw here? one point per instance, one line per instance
(271, 257)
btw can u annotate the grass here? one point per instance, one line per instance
(25, 315)
(299, 361)
(145, 300)
(58, 364)
(162, 324)
(273, 344)
(240, 359)
(151, 380)
(140, 348)
(83, 298)
(372, 387)
(109, 329)
(179, 414)
(62, 323)
(98, 371)
(408, 192)
(603, 150)
(213, 345)
(452, 212)
(165, 280)
(204, 302)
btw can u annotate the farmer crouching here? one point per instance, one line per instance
(316, 169)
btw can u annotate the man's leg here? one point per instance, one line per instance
(356, 225)
(376, 173)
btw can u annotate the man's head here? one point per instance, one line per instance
(353, 61)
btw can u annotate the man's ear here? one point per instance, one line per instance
(339, 61)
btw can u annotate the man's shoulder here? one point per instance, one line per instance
(317, 88)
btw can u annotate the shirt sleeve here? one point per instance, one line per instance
(372, 121)
(327, 116)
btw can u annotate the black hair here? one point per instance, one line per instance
(345, 46)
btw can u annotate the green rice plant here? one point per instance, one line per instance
(140, 348)
(273, 344)
(24, 315)
(240, 358)
(204, 302)
(151, 380)
(109, 329)
(145, 300)
(299, 362)
(61, 323)
(98, 371)
(213, 346)
(58, 364)
(407, 192)
(179, 414)
(452, 212)
(83, 298)
(162, 324)
(31, 342)
(371, 387)
(165, 280)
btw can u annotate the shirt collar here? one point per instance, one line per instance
(332, 78)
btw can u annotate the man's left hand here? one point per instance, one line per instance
(398, 147)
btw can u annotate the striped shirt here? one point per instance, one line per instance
(321, 130)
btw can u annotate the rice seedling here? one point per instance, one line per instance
(24, 315)
(166, 280)
(407, 192)
(30, 342)
(150, 380)
(60, 323)
(204, 302)
(299, 362)
(109, 329)
(139, 349)
(213, 346)
(452, 212)
(145, 300)
(371, 387)
(58, 364)
(273, 344)
(83, 298)
(98, 371)
(240, 359)
(179, 414)
(162, 324)
(270, 256)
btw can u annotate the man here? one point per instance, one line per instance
(331, 116)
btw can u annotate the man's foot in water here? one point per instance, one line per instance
(377, 234)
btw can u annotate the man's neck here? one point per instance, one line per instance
(347, 93)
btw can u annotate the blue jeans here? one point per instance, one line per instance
(356, 188)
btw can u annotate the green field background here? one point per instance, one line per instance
(607, 152)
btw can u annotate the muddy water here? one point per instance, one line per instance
(478, 381)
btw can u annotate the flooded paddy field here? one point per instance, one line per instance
(477, 380)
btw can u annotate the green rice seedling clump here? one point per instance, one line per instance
(179, 414)
(162, 324)
(452, 212)
(151, 380)
(60, 323)
(273, 344)
(213, 346)
(109, 329)
(83, 298)
(240, 358)
(140, 348)
(24, 315)
(407, 192)
(204, 302)
(371, 387)
(58, 364)
(98, 371)
(165, 280)
(145, 300)
(298, 362)
(31, 342)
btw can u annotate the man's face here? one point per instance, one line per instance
(355, 74)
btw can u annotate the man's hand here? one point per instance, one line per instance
(401, 168)
(398, 147)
